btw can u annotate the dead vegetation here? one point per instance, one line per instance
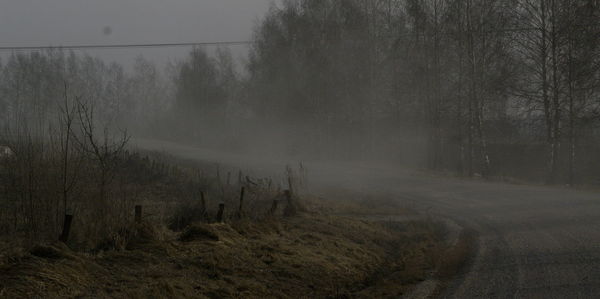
(266, 242)
(82, 169)
(309, 255)
(198, 230)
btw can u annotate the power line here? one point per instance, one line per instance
(232, 43)
(163, 45)
(122, 46)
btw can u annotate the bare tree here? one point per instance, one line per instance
(103, 147)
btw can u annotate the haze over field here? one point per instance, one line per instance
(478, 119)
(503, 89)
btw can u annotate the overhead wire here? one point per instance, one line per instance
(122, 46)
(216, 43)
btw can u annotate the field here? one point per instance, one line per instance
(268, 243)
(309, 255)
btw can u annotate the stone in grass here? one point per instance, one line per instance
(198, 232)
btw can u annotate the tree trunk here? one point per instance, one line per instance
(555, 145)
(472, 95)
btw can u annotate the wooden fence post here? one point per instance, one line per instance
(138, 214)
(64, 237)
(220, 213)
(290, 185)
(241, 202)
(290, 208)
(274, 207)
(202, 201)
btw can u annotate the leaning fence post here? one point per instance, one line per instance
(138, 214)
(202, 201)
(64, 237)
(290, 185)
(290, 208)
(220, 213)
(274, 207)
(241, 202)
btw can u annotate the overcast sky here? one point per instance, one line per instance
(67, 22)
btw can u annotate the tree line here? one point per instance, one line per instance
(477, 87)
(486, 81)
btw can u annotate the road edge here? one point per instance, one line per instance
(455, 259)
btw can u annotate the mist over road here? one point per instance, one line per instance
(533, 242)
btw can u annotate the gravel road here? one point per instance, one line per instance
(533, 242)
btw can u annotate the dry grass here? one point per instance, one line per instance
(305, 256)
(168, 188)
(322, 250)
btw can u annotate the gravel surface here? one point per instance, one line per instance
(533, 241)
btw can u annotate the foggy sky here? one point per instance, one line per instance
(67, 22)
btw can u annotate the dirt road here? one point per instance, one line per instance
(533, 242)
